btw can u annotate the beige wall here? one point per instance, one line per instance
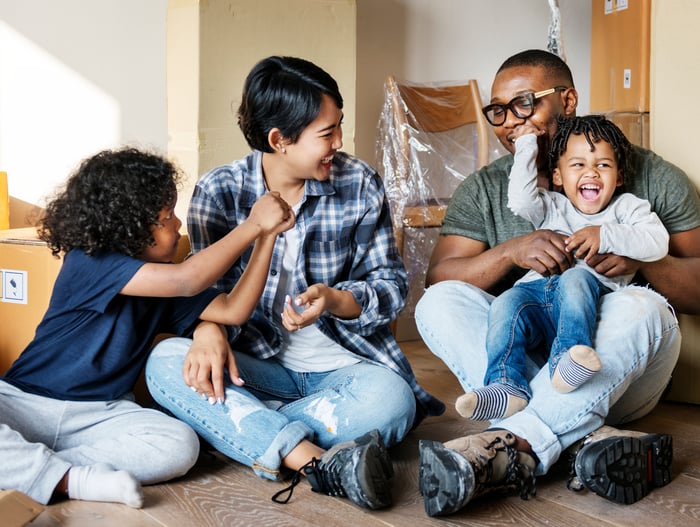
(675, 76)
(213, 45)
(674, 115)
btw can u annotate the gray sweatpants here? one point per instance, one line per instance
(42, 438)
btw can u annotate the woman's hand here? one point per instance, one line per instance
(305, 309)
(206, 360)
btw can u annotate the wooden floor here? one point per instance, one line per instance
(218, 492)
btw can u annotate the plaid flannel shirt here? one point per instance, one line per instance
(347, 243)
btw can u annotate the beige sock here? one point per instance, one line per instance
(579, 365)
(471, 406)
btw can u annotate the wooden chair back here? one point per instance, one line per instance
(432, 108)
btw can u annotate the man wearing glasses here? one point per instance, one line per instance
(484, 248)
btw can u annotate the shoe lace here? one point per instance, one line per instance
(518, 476)
(522, 476)
(296, 478)
(573, 482)
(322, 478)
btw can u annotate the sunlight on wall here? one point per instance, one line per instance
(50, 118)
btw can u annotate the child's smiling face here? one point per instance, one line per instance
(166, 235)
(589, 177)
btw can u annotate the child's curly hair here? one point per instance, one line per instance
(110, 203)
(594, 128)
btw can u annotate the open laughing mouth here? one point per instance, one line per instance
(589, 192)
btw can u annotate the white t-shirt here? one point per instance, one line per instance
(307, 349)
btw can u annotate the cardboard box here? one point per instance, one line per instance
(635, 126)
(28, 271)
(620, 55)
(17, 509)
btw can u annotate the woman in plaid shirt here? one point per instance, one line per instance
(314, 381)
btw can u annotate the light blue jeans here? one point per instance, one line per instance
(637, 340)
(42, 438)
(551, 314)
(260, 423)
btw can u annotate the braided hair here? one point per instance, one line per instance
(594, 128)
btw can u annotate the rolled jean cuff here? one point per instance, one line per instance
(544, 443)
(268, 465)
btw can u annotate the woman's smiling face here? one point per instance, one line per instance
(312, 154)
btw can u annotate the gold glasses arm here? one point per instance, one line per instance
(542, 93)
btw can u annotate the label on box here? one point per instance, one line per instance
(14, 286)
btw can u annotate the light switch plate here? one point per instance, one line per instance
(14, 286)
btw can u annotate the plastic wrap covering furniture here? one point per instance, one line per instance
(430, 137)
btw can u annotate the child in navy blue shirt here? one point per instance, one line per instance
(68, 423)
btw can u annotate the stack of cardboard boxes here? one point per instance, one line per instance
(620, 56)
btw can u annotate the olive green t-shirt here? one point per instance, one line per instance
(478, 208)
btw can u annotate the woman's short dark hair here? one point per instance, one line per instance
(594, 128)
(110, 203)
(284, 93)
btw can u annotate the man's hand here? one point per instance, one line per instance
(612, 265)
(543, 251)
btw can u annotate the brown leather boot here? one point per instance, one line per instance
(453, 474)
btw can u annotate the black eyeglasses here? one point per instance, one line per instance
(522, 106)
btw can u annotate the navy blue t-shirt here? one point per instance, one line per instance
(93, 342)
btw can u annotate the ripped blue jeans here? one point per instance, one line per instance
(260, 423)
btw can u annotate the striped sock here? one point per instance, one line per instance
(575, 367)
(491, 402)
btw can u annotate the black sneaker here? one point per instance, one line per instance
(624, 469)
(358, 469)
(448, 480)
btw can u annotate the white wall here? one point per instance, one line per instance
(443, 40)
(80, 75)
(77, 76)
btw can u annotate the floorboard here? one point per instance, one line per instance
(219, 492)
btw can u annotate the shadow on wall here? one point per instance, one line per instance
(372, 19)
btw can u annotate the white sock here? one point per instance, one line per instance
(101, 483)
